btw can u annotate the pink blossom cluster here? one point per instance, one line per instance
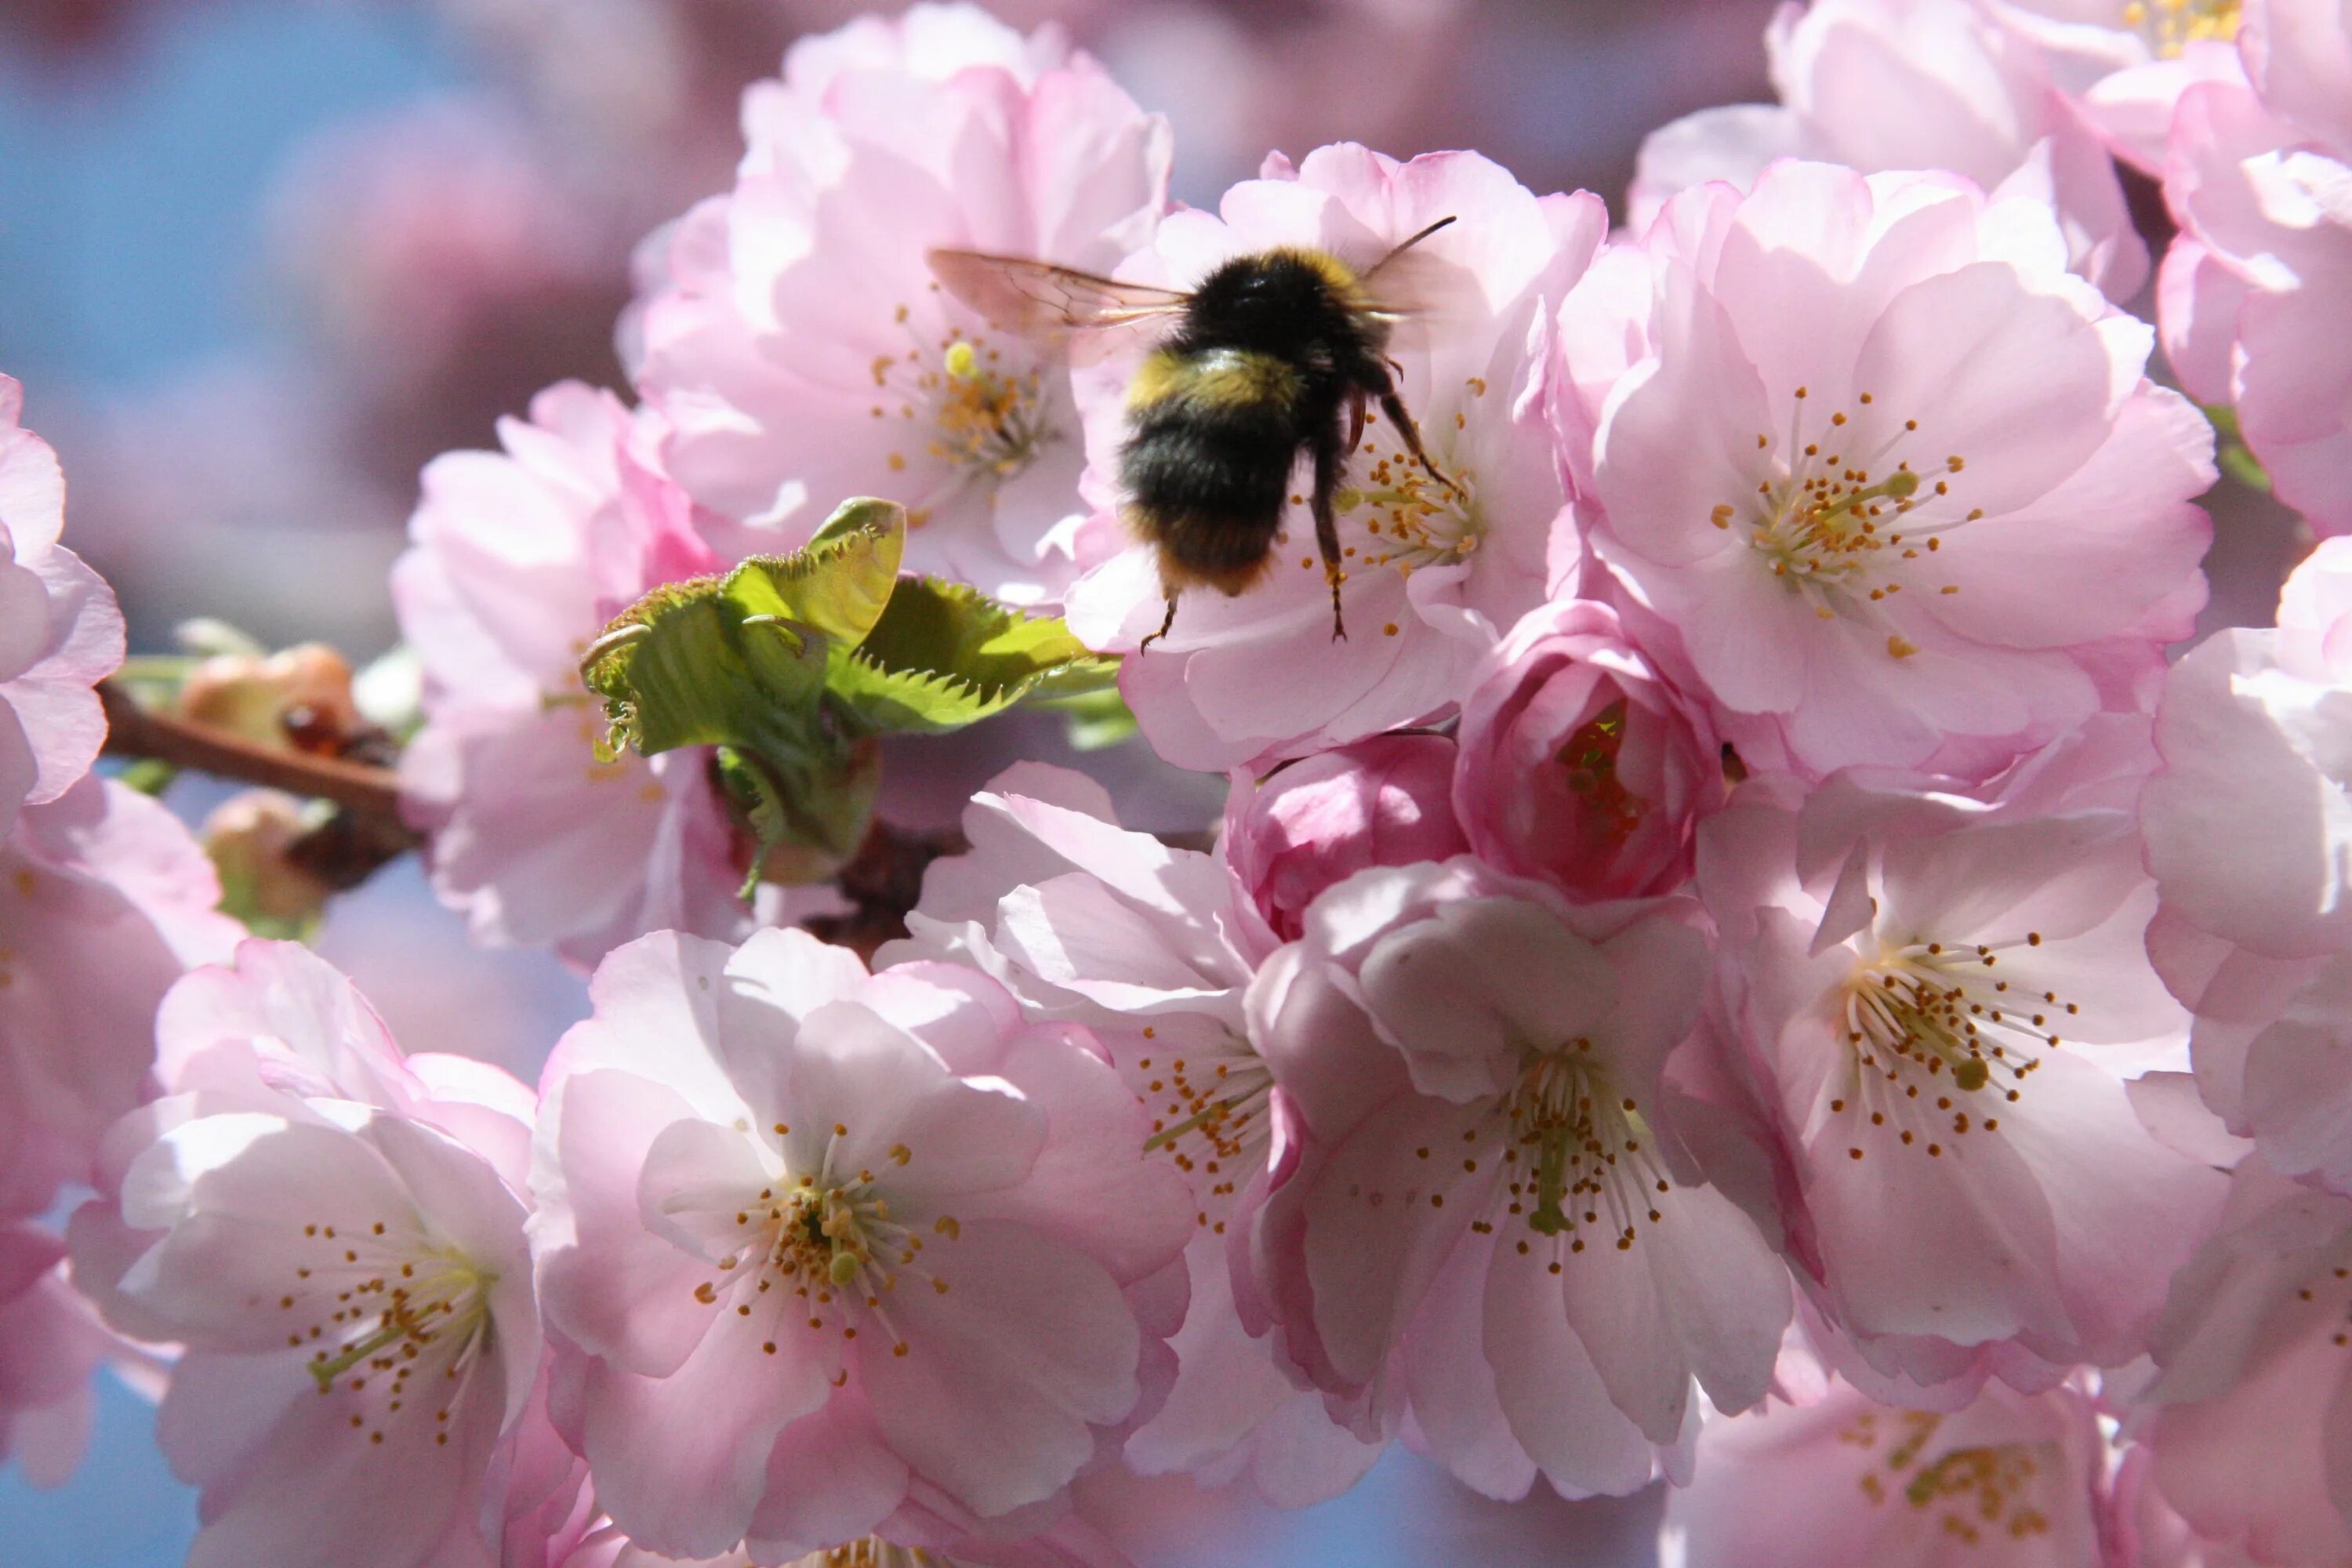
(1747, 966)
(105, 901)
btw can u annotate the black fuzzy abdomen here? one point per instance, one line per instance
(1206, 483)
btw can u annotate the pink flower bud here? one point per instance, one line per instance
(1381, 802)
(1578, 764)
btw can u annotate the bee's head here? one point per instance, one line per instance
(1276, 301)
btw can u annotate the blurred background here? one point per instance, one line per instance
(260, 260)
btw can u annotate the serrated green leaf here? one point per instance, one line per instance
(740, 660)
(943, 656)
(839, 584)
(791, 665)
(693, 673)
(883, 702)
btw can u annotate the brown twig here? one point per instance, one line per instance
(365, 834)
(133, 730)
(882, 881)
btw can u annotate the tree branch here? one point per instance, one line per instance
(882, 880)
(362, 788)
(365, 834)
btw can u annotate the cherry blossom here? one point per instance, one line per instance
(798, 343)
(824, 1254)
(2144, 1530)
(63, 632)
(1911, 84)
(2245, 1420)
(1885, 483)
(332, 1232)
(2011, 1479)
(2243, 829)
(2125, 63)
(1578, 764)
(1433, 579)
(518, 559)
(1938, 1006)
(1490, 1211)
(1141, 944)
(583, 1538)
(2243, 825)
(1380, 802)
(929, 40)
(1758, 961)
(2256, 174)
(608, 1548)
(50, 1343)
(104, 901)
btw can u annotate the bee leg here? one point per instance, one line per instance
(1393, 406)
(1167, 621)
(1330, 461)
(1355, 419)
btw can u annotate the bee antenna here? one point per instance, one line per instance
(1408, 245)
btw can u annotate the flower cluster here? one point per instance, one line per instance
(105, 901)
(1746, 965)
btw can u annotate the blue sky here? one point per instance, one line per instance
(130, 186)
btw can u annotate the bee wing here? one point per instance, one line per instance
(1417, 292)
(1041, 301)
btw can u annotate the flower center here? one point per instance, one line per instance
(821, 1248)
(388, 1310)
(873, 1552)
(1208, 1110)
(1579, 1147)
(969, 409)
(1926, 1021)
(1409, 519)
(1588, 759)
(1835, 523)
(2171, 25)
(1974, 1493)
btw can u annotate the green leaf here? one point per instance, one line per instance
(2241, 465)
(147, 775)
(839, 584)
(942, 656)
(1097, 719)
(791, 665)
(687, 670)
(2230, 451)
(805, 821)
(740, 660)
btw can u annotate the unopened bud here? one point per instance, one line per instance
(250, 837)
(301, 696)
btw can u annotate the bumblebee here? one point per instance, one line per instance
(1274, 356)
